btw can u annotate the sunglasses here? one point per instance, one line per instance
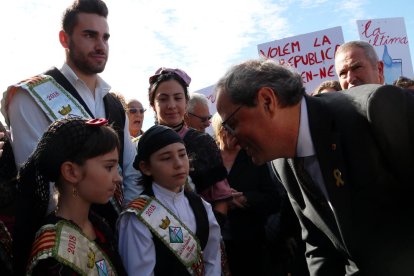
(202, 118)
(134, 110)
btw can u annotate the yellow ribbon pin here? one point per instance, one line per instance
(337, 174)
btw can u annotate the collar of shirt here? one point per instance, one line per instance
(304, 145)
(161, 192)
(101, 89)
(94, 101)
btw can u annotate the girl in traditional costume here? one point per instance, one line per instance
(167, 230)
(81, 157)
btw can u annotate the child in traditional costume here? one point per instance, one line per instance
(81, 157)
(167, 230)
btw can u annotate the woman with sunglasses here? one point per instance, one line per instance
(168, 96)
(135, 113)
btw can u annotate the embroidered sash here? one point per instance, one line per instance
(52, 98)
(170, 230)
(66, 244)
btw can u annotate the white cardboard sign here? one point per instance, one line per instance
(312, 54)
(389, 38)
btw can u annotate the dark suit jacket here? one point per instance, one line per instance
(367, 133)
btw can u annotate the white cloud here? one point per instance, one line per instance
(203, 38)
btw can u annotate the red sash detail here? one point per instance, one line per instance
(138, 203)
(44, 241)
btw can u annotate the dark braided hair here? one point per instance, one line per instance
(69, 139)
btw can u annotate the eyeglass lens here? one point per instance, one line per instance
(135, 110)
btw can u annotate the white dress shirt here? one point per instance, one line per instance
(136, 246)
(28, 122)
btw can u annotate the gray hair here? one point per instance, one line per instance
(133, 101)
(196, 98)
(368, 49)
(242, 81)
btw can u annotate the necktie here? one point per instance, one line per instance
(307, 182)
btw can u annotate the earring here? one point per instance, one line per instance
(74, 192)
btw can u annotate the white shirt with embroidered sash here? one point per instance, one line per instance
(135, 243)
(28, 122)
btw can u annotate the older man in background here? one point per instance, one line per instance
(357, 63)
(197, 114)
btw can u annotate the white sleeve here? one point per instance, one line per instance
(28, 122)
(136, 246)
(212, 252)
(130, 183)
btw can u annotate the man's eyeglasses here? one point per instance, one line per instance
(134, 110)
(225, 124)
(202, 118)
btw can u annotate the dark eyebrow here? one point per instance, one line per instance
(165, 153)
(355, 64)
(175, 94)
(95, 33)
(110, 160)
(91, 32)
(342, 71)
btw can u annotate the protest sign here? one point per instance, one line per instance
(312, 54)
(389, 38)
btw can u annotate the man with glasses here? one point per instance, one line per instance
(345, 159)
(135, 113)
(197, 115)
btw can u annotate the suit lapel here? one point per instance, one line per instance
(286, 176)
(320, 215)
(328, 149)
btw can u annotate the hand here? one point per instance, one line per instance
(239, 200)
(1, 143)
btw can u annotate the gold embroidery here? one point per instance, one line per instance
(91, 258)
(337, 174)
(165, 223)
(65, 110)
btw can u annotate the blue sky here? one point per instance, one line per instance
(202, 37)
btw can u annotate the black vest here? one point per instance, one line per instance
(166, 262)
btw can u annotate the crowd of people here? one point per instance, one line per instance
(289, 184)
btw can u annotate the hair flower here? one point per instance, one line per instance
(97, 122)
(164, 70)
